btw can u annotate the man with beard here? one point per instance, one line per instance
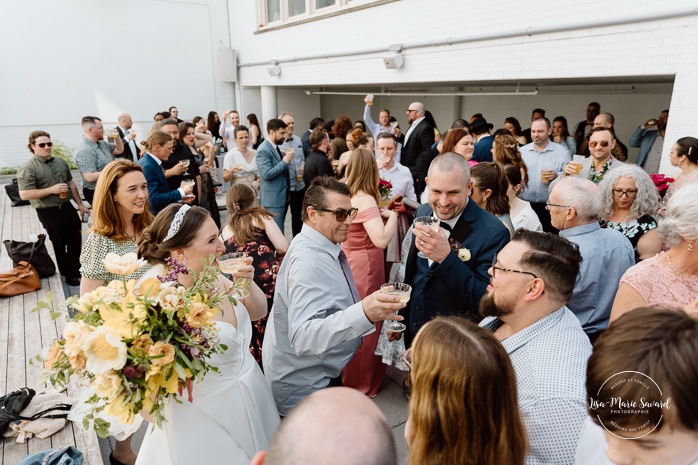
(532, 278)
(273, 166)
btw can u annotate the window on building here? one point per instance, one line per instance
(277, 12)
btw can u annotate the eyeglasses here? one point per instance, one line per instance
(602, 143)
(41, 145)
(630, 193)
(409, 110)
(496, 268)
(548, 205)
(340, 214)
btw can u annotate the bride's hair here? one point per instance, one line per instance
(152, 245)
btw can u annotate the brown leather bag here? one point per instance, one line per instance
(20, 280)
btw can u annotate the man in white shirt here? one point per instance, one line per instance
(403, 186)
(128, 138)
(383, 124)
(227, 131)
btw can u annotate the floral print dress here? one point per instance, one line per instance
(266, 269)
(634, 230)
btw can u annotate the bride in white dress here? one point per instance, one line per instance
(232, 415)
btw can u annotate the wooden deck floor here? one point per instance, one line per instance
(24, 334)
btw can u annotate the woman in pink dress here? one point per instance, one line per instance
(669, 278)
(369, 234)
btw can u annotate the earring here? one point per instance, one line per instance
(690, 246)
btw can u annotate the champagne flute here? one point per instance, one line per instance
(432, 222)
(230, 264)
(403, 291)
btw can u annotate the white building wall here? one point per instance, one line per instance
(600, 41)
(62, 60)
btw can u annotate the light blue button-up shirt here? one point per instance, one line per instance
(314, 327)
(298, 161)
(550, 361)
(605, 257)
(554, 157)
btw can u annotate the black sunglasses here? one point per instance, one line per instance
(340, 214)
(41, 145)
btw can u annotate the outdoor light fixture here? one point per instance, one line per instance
(394, 62)
(275, 70)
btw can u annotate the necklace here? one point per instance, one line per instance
(676, 272)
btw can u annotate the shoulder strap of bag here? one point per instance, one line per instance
(31, 254)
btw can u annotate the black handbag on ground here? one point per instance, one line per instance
(35, 253)
(12, 191)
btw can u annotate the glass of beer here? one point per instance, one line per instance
(369, 100)
(113, 134)
(577, 168)
(543, 172)
(403, 291)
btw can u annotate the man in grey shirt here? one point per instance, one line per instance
(318, 319)
(94, 153)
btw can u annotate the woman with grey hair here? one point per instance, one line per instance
(629, 200)
(669, 278)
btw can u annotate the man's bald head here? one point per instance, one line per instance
(605, 120)
(125, 121)
(338, 426)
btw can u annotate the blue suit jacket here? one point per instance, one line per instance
(644, 139)
(483, 149)
(273, 173)
(454, 287)
(159, 195)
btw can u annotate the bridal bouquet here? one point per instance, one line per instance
(137, 345)
(384, 188)
(662, 183)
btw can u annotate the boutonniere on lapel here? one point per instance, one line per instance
(462, 252)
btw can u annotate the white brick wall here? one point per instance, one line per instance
(610, 53)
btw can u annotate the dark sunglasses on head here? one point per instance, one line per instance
(602, 143)
(41, 145)
(340, 214)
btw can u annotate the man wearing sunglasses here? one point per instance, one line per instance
(601, 144)
(574, 207)
(47, 183)
(531, 279)
(318, 318)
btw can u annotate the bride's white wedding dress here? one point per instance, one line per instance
(233, 414)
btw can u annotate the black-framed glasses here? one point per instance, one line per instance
(410, 110)
(496, 268)
(340, 214)
(548, 205)
(630, 193)
(41, 145)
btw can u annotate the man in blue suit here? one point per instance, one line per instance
(454, 277)
(159, 149)
(272, 164)
(650, 138)
(480, 129)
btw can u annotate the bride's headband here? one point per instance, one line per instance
(176, 222)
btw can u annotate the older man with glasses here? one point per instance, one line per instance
(317, 320)
(574, 207)
(531, 279)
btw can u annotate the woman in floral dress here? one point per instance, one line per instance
(252, 230)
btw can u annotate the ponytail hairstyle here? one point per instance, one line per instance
(243, 217)
(491, 176)
(152, 245)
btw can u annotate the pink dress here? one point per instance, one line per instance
(658, 284)
(365, 371)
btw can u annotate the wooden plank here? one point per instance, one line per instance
(16, 369)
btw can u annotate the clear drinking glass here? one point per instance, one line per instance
(402, 291)
(432, 222)
(230, 264)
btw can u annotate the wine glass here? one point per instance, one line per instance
(432, 222)
(402, 291)
(230, 264)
